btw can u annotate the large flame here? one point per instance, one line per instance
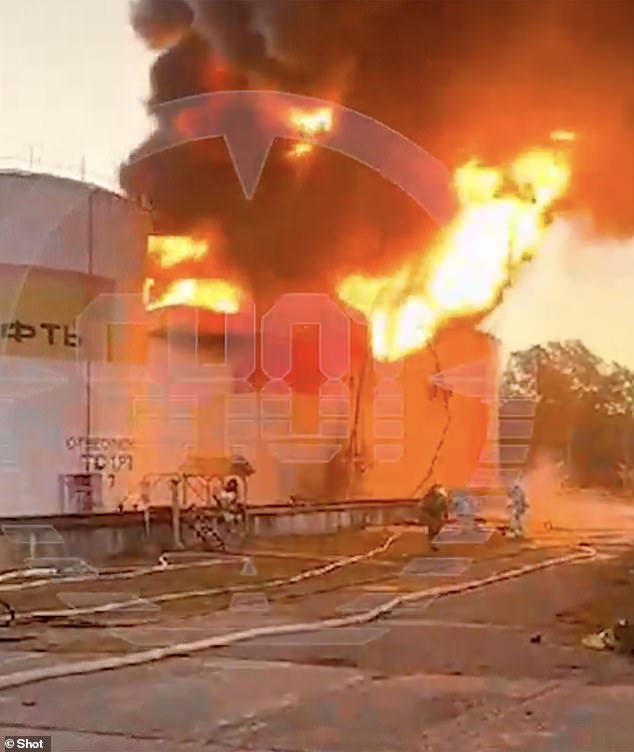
(213, 294)
(171, 250)
(216, 295)
(308, 126)
(502, 217)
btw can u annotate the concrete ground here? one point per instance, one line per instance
(500, 668)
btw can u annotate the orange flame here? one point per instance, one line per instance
(501, 221)
(216, 295)
(309, 125)
(563, 136)
(171, 250)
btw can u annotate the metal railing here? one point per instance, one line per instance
(33, 163)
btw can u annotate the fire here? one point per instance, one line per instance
(502, 217)
(216, 295)
(309, 125)
(171, 250)
(563, 136)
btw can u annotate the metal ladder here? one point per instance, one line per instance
(205, 527)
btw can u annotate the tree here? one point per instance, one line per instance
(585, 407)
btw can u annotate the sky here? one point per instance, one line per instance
(73, 80)
(580, 286)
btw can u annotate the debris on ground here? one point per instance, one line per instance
(536, 639)
(619, 638)
(603, 640)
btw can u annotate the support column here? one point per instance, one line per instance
(176, 514)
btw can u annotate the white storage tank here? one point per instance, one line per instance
(66, 247)
(96, 394)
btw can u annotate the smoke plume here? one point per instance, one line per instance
(477, 79)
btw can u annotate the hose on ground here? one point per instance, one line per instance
(7, 614)
(162, 567)
(80, 668)
(35, 616)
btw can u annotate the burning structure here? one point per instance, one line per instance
(324, 329)
(104, 387)
(350, 393)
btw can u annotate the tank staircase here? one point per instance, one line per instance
(200, 510)
(214, 526)
(204, 525)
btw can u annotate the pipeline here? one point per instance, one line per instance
(185, 649)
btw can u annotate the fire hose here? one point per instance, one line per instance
(7, 614)
(17, 573)
(33, 616)
(185, 649)
(163, 566)
(139, 572)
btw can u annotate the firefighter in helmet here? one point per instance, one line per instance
(228, 498)
(518, 506)
(434, 512)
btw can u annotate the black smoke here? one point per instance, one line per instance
(464, 79)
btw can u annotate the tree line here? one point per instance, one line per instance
(584, 410)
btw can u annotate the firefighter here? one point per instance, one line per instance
(145, 504)
(230, 493)
(518, 507)
(228, 499)
(462, 507)
(435, 512)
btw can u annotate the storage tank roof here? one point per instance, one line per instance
(113, 191)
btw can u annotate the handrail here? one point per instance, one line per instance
(155, 478)
(36, 166)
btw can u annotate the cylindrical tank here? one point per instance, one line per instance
(183, 410)
(68, 250)
(250, 390)
(277, 400)
(428, 417)
(93, 385)
(224, 385)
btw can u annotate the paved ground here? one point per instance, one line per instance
(495, 669)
